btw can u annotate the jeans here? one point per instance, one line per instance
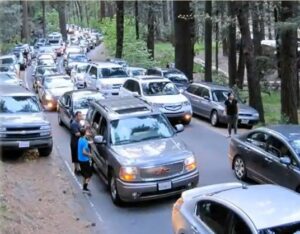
(232, 122)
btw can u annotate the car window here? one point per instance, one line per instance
(93, 71)
(192, 89)
(214, 216)
(103, 129)
(205, 92)
(96, 121)
(258, 139)
(129, 85)
(136, 87)
(198, 91)
(159, 88)
(238, 225)
(220, 95)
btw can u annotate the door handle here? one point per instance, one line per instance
(268, 160)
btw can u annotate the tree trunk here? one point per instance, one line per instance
(150, 36)
(208, 41)
(288, 63)
(109, 8)
(80, 11)
(165, 12)
(255, 99)
(86, 14)
(241, 67)
(217, 42)
(102, 10)
(269, 21)
(62, 19)
(44, 18)
(25, 26)
(184, 48)
(261, 12)
(232, 44)
(136, 17)
(120, 28)
(257, 34)
(224, 35)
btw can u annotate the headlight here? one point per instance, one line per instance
(128, 173)
(256, 115)
(190, 163)
(48, 97)
(45, 127)
(2, 129)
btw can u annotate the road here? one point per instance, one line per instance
(210, 146)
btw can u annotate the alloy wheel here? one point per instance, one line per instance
(239, 168)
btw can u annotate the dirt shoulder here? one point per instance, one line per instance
(37, 196)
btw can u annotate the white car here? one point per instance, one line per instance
(105, 77)
(11, 60)
(237, 209)
(136, 71)
(9, 78)
(78, 73)
(160, 93)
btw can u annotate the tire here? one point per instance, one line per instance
(45, 152)
(239, 168)
(60, 122)
(214, 118)
(113, 191)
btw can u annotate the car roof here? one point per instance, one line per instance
(14, 90)
(151, 78)
(289, 131)
(266, 205)
(211, 85)
(106, 65)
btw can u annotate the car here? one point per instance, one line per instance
(23, 125)
(72, 49)
(84, 45)
(208, 100)
(10, 60)
(8, 78)
(41, 71)
(268, 155)
(78, 73)
(160, 93)
(105, 77)
(121, 62)
(46, 62)
(51, 89)
(237, 208)
(138, 152)
(136, 71)
(44, 56)
(40, 42)
(173, 74)
(8, 68)
(71, 102)
(73, 59)
(47, 50)
(57, 44)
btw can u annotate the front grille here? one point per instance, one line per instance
(161, 172)
(116, 86)
(23, 136)
(23, 132)
(22, 128)
(245, 115)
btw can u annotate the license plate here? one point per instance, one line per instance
(23, 144)
(164, 185)
(245, 121)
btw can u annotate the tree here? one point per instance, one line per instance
(254, 89)
(25, 26)
(150, 36)
(102, 10)
(120, 28)
(44, 18)
(241, 68)
(61, 6)
(232, 44)
(208, 41)
(288, 63)
(184, 47)
(136, 17)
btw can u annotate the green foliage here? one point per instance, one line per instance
(164, 53)
(198, 68)
(52, 21)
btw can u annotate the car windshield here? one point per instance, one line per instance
(81, 101)
(58, 83)
(137, 129)
(46, 62)
(19, 104)
(6, 68)
(159, 88)
(177, 78)
(284, 229)
(220, 95)
(113, 72)
(46, 70)
(78, 58)
(296, 145)
(6, 61)
(81, 68)
(137, 72)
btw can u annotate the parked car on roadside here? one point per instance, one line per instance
(23, 124)
(237, 208)
(208, 100)
(71, 102)
(51, 89)
(47, 50)
(136, 71)
(138, 152)
(78, 74)
(160, 93)
(268, 155)
(10, 60)
(106, 77)
(8, 78)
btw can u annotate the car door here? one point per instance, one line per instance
(197, 101)
(278, 172)
(67, 116)
(93, 77)
(190, 95)
(205, 102)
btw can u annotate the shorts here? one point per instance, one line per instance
(86, 169)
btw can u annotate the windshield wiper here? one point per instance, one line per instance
(153, 138)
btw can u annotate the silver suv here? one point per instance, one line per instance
(138, 152)
(23, 124)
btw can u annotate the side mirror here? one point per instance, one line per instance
(136, 94)
(93, 76)
(207, 98)
(179, 128)
(285, 160)
(99, 139)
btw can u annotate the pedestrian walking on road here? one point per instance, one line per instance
(85, 157)
(231, 112)
(75, 135)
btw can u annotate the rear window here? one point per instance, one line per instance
(54, 41)
(113, 72)
(6, 61)
(19, 104)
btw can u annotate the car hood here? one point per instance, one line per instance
(158, 151)
(166, 99)
(23, 119)
(57, 92)
(114, 81)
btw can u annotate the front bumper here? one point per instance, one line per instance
(143, 191)
(14, 144)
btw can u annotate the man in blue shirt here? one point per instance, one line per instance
(85, 158)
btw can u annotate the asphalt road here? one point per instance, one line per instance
(209, 145)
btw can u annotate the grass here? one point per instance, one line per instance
(164, 53)
(272, 107)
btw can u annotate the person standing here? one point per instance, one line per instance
(85, 157)
(75, 135)
(231, 112)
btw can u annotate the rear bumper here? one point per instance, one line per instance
(144, 191)
(44, 142)
(243, 120)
